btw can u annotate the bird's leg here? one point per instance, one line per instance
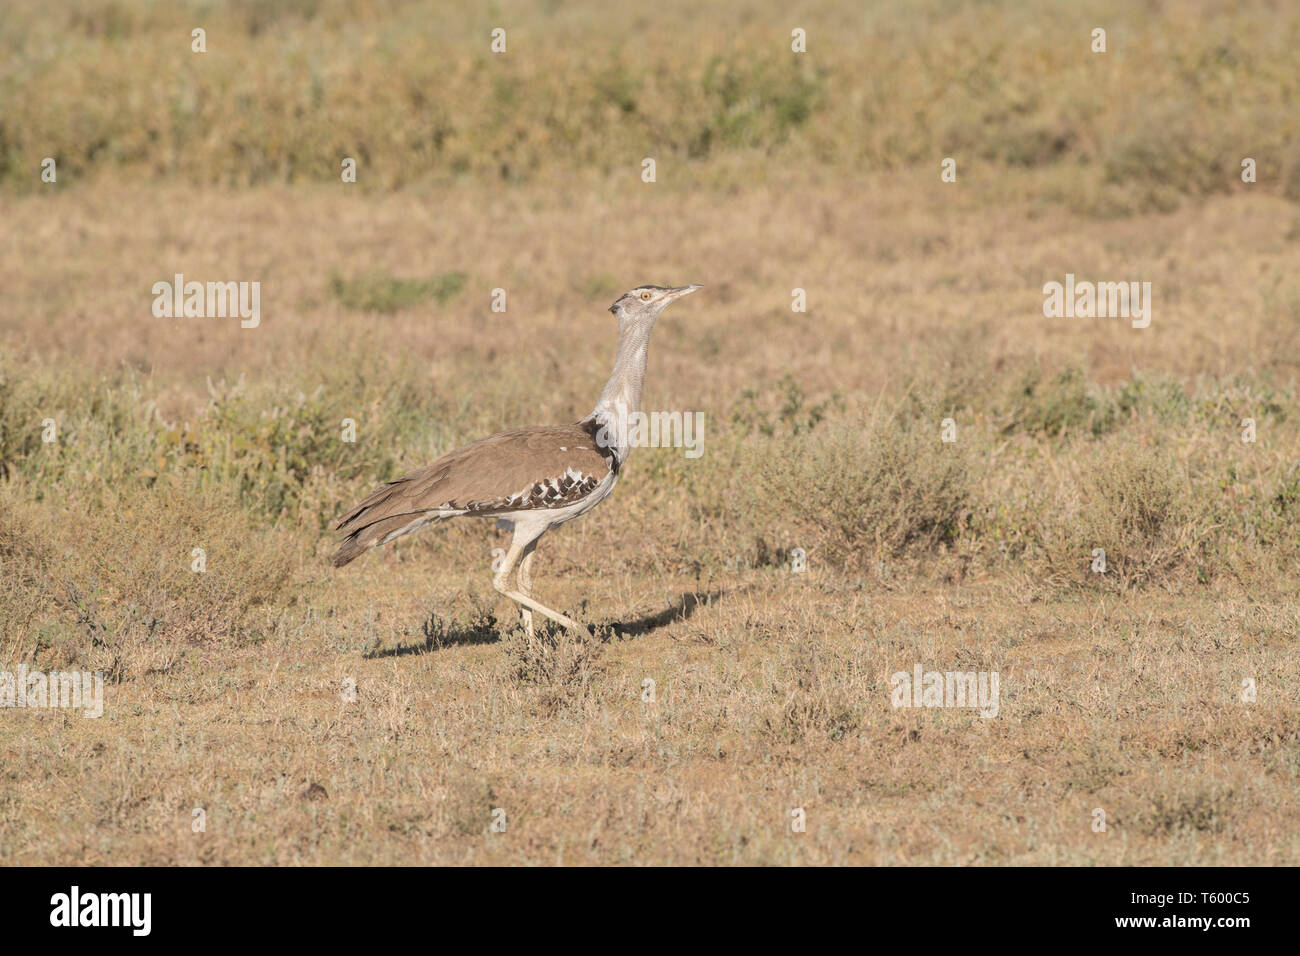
(525, 581)
(501, 580)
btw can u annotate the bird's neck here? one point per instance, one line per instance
(621, 398)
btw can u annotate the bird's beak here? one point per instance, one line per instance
(681, 291)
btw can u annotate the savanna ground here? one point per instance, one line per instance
(1121, 691)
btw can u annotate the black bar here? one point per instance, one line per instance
(945, 907)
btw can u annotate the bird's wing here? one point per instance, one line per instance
(544, 467)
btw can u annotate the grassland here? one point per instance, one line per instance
(1120, 691)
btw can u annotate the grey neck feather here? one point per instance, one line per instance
(621, 397)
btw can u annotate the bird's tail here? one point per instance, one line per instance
(372, 535)
(350, 548)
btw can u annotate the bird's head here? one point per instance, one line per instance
(645, 302)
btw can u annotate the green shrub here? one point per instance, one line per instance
(1138, 507)
(860, 492)
(377, 293)
(1060, 404)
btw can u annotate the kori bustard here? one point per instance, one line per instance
(532, 478)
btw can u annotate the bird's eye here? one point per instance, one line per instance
(645, 296)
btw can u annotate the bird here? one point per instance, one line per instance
(530, 479)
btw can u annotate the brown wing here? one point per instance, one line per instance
(545, 467)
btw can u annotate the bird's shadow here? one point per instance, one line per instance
(680, 610)
(438, 633)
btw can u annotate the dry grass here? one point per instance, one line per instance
(773, 696)
(413, 93)
(1120, 691)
